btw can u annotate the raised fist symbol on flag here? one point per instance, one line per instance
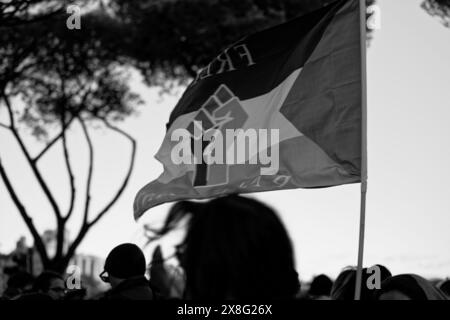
(221, 111)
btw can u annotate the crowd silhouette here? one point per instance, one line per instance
(234, 248)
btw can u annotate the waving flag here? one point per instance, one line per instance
(279, 109)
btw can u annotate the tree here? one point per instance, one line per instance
(18, 12)
(52, 77)
(170, 40)
(438, 8)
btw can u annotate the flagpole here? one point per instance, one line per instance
(362, 218)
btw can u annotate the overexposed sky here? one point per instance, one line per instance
(408, 206)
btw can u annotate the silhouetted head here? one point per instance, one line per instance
(344, 285)
(235, 247)
(445, 287)
(408, 287)
(50, 283)
(18, 283)
(320, 286)
(76, 294)
(124, 262)
(35, 297)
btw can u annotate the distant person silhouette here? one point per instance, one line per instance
(344, 285)
(125, 270)
(409, 287)
(235, 248)
(76, 294)
(49, 283)
(320, 288)
(445, 288)
(167, 281)
(19, 283)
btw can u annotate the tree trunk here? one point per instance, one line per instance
(57, 265)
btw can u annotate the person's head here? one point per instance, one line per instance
(50, 283)
(445, 287)
(235, 247)
(408, 287)
(19, 283)
(76, 294)
(320, 286)
(36, 296)
(124, 262)
(344, 285)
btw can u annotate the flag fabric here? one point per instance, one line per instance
(279, 109)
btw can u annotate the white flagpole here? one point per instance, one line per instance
(362, 218)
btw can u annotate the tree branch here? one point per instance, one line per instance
(74, 245)
(5, 126)
(86, 226)
(12, 19)
(71, 177)
(62, 222)
(33, 165)
(19, 56)
(53, 141)
(90, 171)
(127, 176)
(28, 221)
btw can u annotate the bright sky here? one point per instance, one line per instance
(408, 209)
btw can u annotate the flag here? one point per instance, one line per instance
(279, 109)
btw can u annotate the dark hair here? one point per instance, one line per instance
(43, 281)
(76, 294)
(235, 247)
(125, 261)
(406, 285)
(35, 297)
(344, 285)
(413, 286)
(17, 284)
(20, 280)
(445, 287)
(320, 286)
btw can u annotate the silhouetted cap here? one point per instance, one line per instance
(321, 286)
(125, 261)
